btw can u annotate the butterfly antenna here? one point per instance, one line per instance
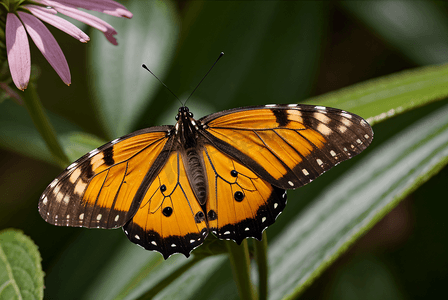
(147, 69)
(220, 55)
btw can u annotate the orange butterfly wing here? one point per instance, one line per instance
(269, 149)
(99, 189)
(288, 145)
(240, 204)
(169, 219)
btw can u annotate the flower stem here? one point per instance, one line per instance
(239, 259)
(262, 263)
(43, 125)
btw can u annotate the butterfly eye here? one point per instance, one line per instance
(233, 173)
(177, 117)
(163, 188)
(167, 211)
(239, 196)
(190, 114)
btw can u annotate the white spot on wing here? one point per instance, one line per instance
(45, 201)
(99, 217)
(305, 172)
(72, 166)
(324, 129)
(117, 217)
(346, 122)
(53, 183)
(292, 105)
(332, 153)
(359, 141)
(275, 205)
(263, 219)
(345, 114)
(93, 152)
(320, 107)
(342, 129)
(154, 243)
(319, 162)
(290, 183)
(321, 117)
(66, 199)
(115, 141)
(137, 237)
(270, 105)
(81, 216)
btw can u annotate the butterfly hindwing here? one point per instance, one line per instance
(169, 218)
(240, 204)
(288, 145)
(98, 189)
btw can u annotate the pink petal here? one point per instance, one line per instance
(47, 44)
(105, 6)
(61, 24)
(18, 52)
(84, 17)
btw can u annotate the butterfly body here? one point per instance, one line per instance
(226, 173)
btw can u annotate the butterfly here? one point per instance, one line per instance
(226, 173)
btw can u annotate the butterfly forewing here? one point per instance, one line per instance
(288, 145)
(98, 189)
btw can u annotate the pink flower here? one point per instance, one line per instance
(28, 20)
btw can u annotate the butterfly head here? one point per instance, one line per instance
(184, 113)
(186, 128)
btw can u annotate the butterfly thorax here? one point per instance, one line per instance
(186, 134)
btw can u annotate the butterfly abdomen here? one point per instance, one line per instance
(195, 169)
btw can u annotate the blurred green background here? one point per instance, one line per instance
(275, 52)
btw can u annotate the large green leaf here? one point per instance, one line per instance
(21, 275)
(355, 202)
(120, 85)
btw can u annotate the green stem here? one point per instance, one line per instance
(240, 261)
(43, 125)
(262, 263)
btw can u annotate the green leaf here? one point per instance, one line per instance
(382, 98)
(355, 202)
(418, 29)
(21, 275)
(121, 86)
